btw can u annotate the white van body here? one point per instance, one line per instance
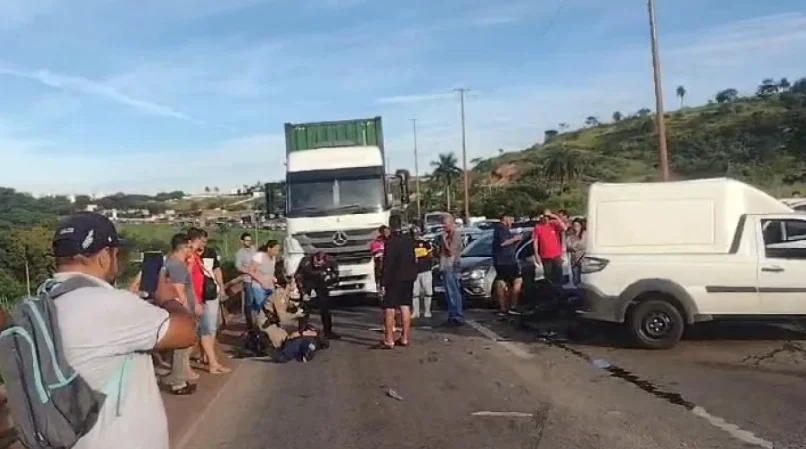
(710, 248)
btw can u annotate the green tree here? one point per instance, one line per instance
(562, 165)
(784, 84)
(643, 112)
(591, 121)
(617, 117)
(550, 134)
(446, 173)
(681, 94)
(727, 96)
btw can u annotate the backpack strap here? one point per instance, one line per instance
(117, 383)
(54, 288)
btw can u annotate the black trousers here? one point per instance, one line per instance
(323, 299)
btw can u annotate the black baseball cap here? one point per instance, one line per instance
(85, 234)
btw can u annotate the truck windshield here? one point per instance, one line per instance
(335, 196)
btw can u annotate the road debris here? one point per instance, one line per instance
(393, 394)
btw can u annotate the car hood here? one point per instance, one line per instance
(469, 263)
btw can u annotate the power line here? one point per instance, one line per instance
(550, 24)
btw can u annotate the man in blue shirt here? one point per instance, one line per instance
(508, 280)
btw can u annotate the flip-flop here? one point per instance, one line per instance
(383, 346)
(220, 370)
(400, 342)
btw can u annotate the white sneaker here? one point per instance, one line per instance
(427, 315)
(414, 317)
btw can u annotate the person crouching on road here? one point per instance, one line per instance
(282, 326)
(423, 285)
(399, 273)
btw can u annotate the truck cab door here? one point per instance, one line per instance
(782, 264)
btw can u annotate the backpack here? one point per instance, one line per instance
(51, 404)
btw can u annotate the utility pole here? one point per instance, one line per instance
(416, 167)
(660, 121)
(462, 92)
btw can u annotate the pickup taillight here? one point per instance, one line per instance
(593, 264)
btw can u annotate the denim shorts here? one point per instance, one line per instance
(259, 295)
(209, 319)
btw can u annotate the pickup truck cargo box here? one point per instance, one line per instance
(687, 217)
(344, 133)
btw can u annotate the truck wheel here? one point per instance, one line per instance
(656, 324)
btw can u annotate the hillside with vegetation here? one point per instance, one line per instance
(760, 139)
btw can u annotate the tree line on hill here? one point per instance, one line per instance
(758, 138)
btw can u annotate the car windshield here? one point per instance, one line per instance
(483, 247)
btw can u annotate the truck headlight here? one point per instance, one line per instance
(292, 246)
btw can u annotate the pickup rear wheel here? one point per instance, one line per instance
(656, 324)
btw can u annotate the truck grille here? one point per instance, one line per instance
(346, 246)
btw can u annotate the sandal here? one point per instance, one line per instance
(400, 342)
(220, 369)
(383, 346)
(187, 390)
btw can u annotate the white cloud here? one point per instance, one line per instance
(96, 89)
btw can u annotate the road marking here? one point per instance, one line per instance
(514, 348)
(190, 432)
(733, 430)
(504, 414)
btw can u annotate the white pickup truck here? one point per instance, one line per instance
(664, 256)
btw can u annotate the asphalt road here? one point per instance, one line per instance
(705, 394)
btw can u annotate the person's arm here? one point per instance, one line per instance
(535, 247)
(134, 287)
(280, 304)
(558, 223)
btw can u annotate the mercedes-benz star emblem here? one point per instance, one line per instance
(339, 238)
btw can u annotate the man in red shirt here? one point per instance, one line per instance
(548, 247)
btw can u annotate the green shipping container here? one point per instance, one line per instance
(344, 133)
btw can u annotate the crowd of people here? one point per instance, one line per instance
(125, 337)
(555, 239)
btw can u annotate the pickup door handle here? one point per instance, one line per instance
(772, 269)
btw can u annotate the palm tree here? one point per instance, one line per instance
(561, 165)
(592, 121)
(617, 116)
(446, 172)
(681, 93)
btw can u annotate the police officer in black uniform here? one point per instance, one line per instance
(319, 272)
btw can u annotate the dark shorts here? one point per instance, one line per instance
(553, 270)
(507, 273)
(399, 295)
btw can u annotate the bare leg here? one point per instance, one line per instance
(208, 347)
(389, 327)
(501, 295)
(515, 292)
(405, 318)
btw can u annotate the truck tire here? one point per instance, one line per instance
(656, 324)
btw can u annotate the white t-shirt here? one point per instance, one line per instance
(100, 327)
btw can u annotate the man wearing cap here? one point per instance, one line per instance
(102, 326)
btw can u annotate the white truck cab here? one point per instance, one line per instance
(336, 201)
(664, 256)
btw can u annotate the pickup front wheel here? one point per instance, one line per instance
(656, 324)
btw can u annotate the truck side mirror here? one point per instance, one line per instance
(404, 176)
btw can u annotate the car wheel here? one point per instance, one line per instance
(656, 324)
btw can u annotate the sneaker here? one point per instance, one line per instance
(514, 312)
(427, 315)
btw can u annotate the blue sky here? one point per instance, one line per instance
(109, 95)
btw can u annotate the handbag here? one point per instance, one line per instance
(209, 286)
